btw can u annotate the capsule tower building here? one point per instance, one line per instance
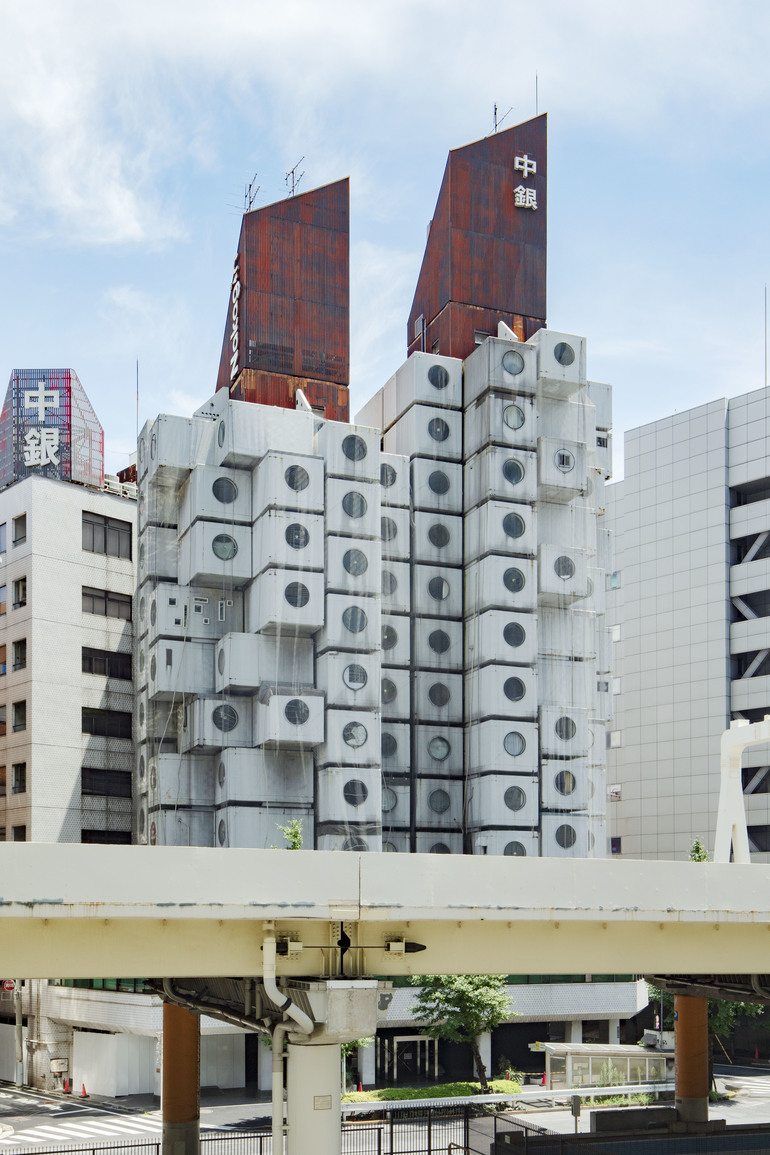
(393, 630)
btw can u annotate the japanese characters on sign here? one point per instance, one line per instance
(524, 196)
(235, 327)
(41, 443)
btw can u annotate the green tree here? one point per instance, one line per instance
(698, 852)
(292, 832)
(347, 1049)
(460, 1008)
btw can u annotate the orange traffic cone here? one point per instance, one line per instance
(360, 1086)
(66, 1086)
(542, 1083)
(83, 1094)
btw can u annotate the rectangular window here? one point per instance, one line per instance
(434, 348)
(615, 792)
(613, 580)
(107, 783)
(3, 537)
(106, 535)
(106, 603)
(615, 846)
(614, 739)
(106, 723)
(601, 441)
(19, 654)
(19, 525)
(2, 721)
(2, 834)
(602, 686)
(19, 593)
(106, 837)
(107, 663)
(3, 599)
(18, 716)
(3, 667)
(18, 834)
(19, 778)
(2, 781)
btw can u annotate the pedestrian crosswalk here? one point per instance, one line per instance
(752, 1085)
(84, 1130)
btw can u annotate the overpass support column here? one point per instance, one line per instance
(313, 1099)
(691, 1048)
(180, 1097)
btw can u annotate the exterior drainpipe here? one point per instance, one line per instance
(301, 1023)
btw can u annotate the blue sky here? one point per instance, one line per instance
(128, 133)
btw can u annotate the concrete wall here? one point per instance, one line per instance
(8, 1051)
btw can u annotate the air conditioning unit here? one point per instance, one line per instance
(501, 474)
(500, 527)
(395, 747)
(427, 431)
(437, 591)
(180, 779)
(569, 631)
(396, 586)
(182, 826)
(438, 750)
(285, 601)
(502, 800)
(246, 432)
(569, 836)
(437, 539)
(286, 538)
(501, 692)
(395, 695)
(267, 776)
(244, 661)
(340, 836)
(439, 842)
(438, 804)
(215, 553)
(395, 640)
(497, 636)
(430, 380)
(395, 533)
(218, 494)
(502, 746)
(563, 731)
(438, 697)
(288, 721)
(506, 843)
(348, 794)
(353, 507)
(500, 582)
(394, 480)
(562, 575)
(352, 624)
(500, 419)
(565, 784)
(352, 739)
(353, 566)
(437, 485)
(561, 469)
(288, 481)
(210, 724)
(561, 362)
(157, 503)
(500, 365)
(349, 451)
(158, 554)
(177, 669)
(258, 826)
(438, 644)
(350, 680)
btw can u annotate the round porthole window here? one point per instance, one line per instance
(354, 447)
(513, 416)
(141, 713)
(297, 536)
(438, 800)
(153, 668)
(224, 547)
(438, 588)
(222, 832)
(439, 694)
(225, 718)
(564, 460)
(565, 728)
(564, 567)
(513, 362)
(389, 690)
(438, 429)
(514, 743)
(513, 580)
(354, 504)
(513, 525)
(438, 483)
(297, 478)
(515, 798)
(439, 848)
(389, 583)
(439, 749)
(565, 782)
(388, 528)
(296, 711)
(221, 661)
(564, 354)
(513, 471)
(153, 611)
(591, 840)
(355, 792)
(515, 849)
(354, 676)
(514, 689)
(438, 376)
(356, 843)
(566, 836)
(388, 745)
(141, 554)
(438, 535)
(224, 490)
(141, 449)
(355, 734)
(142, 820)
(514, 634)
(221, 774)
(354, 619)
(153, 446)
(389, 638)
(297, 595)
(141, 767)
(387, 476)
(389, 799)
(141, 661)
(355, 562)
(439, 641)
(221, 434)
(389, 848)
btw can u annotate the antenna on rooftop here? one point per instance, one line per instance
(502, 118)
(291, 175)
(250, 193)
(765, 336)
